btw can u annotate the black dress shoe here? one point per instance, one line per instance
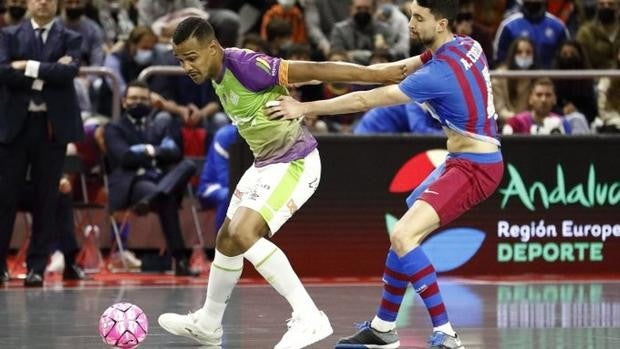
(74, 272)
(33, 279)
(4, 276)
(182, 268)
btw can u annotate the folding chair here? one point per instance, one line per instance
(198, 259)
(89, 257)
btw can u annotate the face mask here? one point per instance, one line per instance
(534, 10)
(571, 62)
(17, 12)
(162, 47)
(362, 19)
(524, 62)
(287, 3)
(139, 110)
(607, 15)
(74, 13)
(143, 57)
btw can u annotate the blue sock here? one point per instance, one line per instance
(395, 283)
(424, 280)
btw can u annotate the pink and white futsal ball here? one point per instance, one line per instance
(123, 325)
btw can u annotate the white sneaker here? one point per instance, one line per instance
(303, 332)
(131, 259)
(57, 263)
(187, 326)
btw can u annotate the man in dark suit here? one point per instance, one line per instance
(147, 170)
(39, 115)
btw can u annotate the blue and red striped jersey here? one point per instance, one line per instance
(456, 86)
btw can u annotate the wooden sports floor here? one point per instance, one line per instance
(520, 314)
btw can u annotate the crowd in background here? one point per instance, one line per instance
(127, 36)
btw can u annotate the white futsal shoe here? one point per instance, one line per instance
(187, 326)
(57, 263)
(303, 332)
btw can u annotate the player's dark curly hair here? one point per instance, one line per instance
(195, 27)
(442, 8)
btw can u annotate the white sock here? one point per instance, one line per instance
(224, 274)
(382, 325)
(272, 264)
(445, 328)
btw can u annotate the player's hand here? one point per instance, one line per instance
(389, 73)
(285, 108)
(19, 65)
(65, 60)
(64, 186)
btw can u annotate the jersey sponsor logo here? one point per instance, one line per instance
(263, 65)
(421, 289)
(313, 184)
(292, 206)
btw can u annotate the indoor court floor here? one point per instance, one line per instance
(487, 314)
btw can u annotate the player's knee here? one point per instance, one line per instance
(241, 235)
(403, 239)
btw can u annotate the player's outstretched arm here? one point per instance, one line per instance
(411, 64)
(289, 108)
(305, 71)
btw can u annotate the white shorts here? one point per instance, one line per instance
(276, 191)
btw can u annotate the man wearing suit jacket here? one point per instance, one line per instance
(147, 170)
(39, 115)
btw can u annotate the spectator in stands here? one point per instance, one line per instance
(118, 18)
(574, 94)
(404, 118)
(137, 53)
(289, 11)
(360, 34)
(464, 24)
(39, 115)
(279, 37)
(225, 22)
(490, 13)
(601, 37)
(321, 16)
(213, 186)
(511, 95)
(540, 119)
(15, 12)
(254, 42)
(389, 14)
(72, 15)
(147, 170)
(546, 31)
(609, 102)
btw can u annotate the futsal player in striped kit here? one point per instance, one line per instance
(455, 84)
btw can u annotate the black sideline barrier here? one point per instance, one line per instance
(557, 210)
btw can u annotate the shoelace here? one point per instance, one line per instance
(362, 325)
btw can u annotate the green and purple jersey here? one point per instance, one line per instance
(248, 81)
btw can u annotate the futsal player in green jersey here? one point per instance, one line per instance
(285, 173)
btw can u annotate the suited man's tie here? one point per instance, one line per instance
(37, 96)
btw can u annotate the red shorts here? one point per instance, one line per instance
(463, 181)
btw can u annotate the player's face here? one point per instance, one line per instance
(423, 25)
(199, 60)
(542, 99)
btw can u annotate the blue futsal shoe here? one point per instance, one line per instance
(368, 337)
(440, 340)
